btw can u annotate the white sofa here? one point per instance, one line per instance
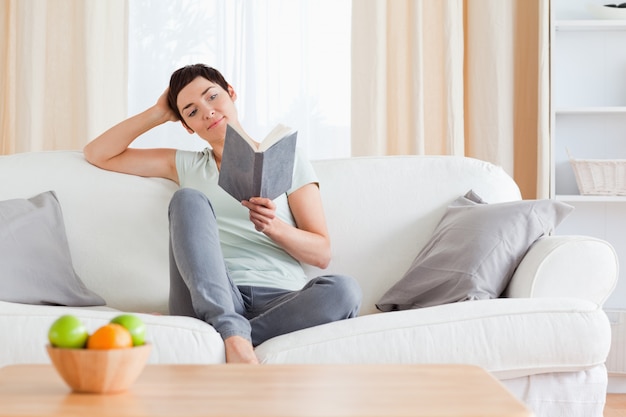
(547, 341)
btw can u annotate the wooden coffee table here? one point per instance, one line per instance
(268, 390)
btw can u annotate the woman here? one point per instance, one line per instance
(235, 265)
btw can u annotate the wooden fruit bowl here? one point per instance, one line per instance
(99, 371)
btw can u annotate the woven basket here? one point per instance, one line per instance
(600, 176)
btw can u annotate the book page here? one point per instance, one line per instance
(276, 134)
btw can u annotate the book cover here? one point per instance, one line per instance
(247, 171)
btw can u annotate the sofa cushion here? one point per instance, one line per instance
(174, 339)
(473, 251)
(508, 337)
(35, 261)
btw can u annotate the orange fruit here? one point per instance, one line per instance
(110, 336)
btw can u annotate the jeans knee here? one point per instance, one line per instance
(184, 195)
(348, 293)
(186, 198)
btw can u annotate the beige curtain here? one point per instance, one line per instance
(63, 78)
(454, 77)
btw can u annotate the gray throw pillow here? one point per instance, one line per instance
(473, 251)
(35, 262)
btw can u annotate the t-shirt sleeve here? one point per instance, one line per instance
(188, 162)
(303, 172)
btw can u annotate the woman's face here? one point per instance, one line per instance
(207, 108)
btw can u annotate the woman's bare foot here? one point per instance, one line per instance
(239, 350)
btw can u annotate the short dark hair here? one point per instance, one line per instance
(183, 76)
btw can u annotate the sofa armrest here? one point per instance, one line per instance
(566, 266)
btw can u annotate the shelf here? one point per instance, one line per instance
(577, 198)
(588, 117)
(598, 25)
(591, 110)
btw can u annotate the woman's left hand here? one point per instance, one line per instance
(262, 212)
(307, 240)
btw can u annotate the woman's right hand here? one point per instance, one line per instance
(162, 105)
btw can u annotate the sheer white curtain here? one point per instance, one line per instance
(288, 60)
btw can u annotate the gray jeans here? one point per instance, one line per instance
(201, 287)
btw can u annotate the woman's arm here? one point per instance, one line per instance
(110, 150)
(309, 241)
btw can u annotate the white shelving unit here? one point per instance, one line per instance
(588, 119)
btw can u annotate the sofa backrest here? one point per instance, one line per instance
(380, 212)
(116, 224)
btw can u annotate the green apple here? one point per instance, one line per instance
(68, 332)
(134, 325)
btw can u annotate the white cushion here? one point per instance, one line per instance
(509, 337)
(174, 339)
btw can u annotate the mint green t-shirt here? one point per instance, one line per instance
(251, 257)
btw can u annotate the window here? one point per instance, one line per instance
(288, 60)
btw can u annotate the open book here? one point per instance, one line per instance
(248, 172)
